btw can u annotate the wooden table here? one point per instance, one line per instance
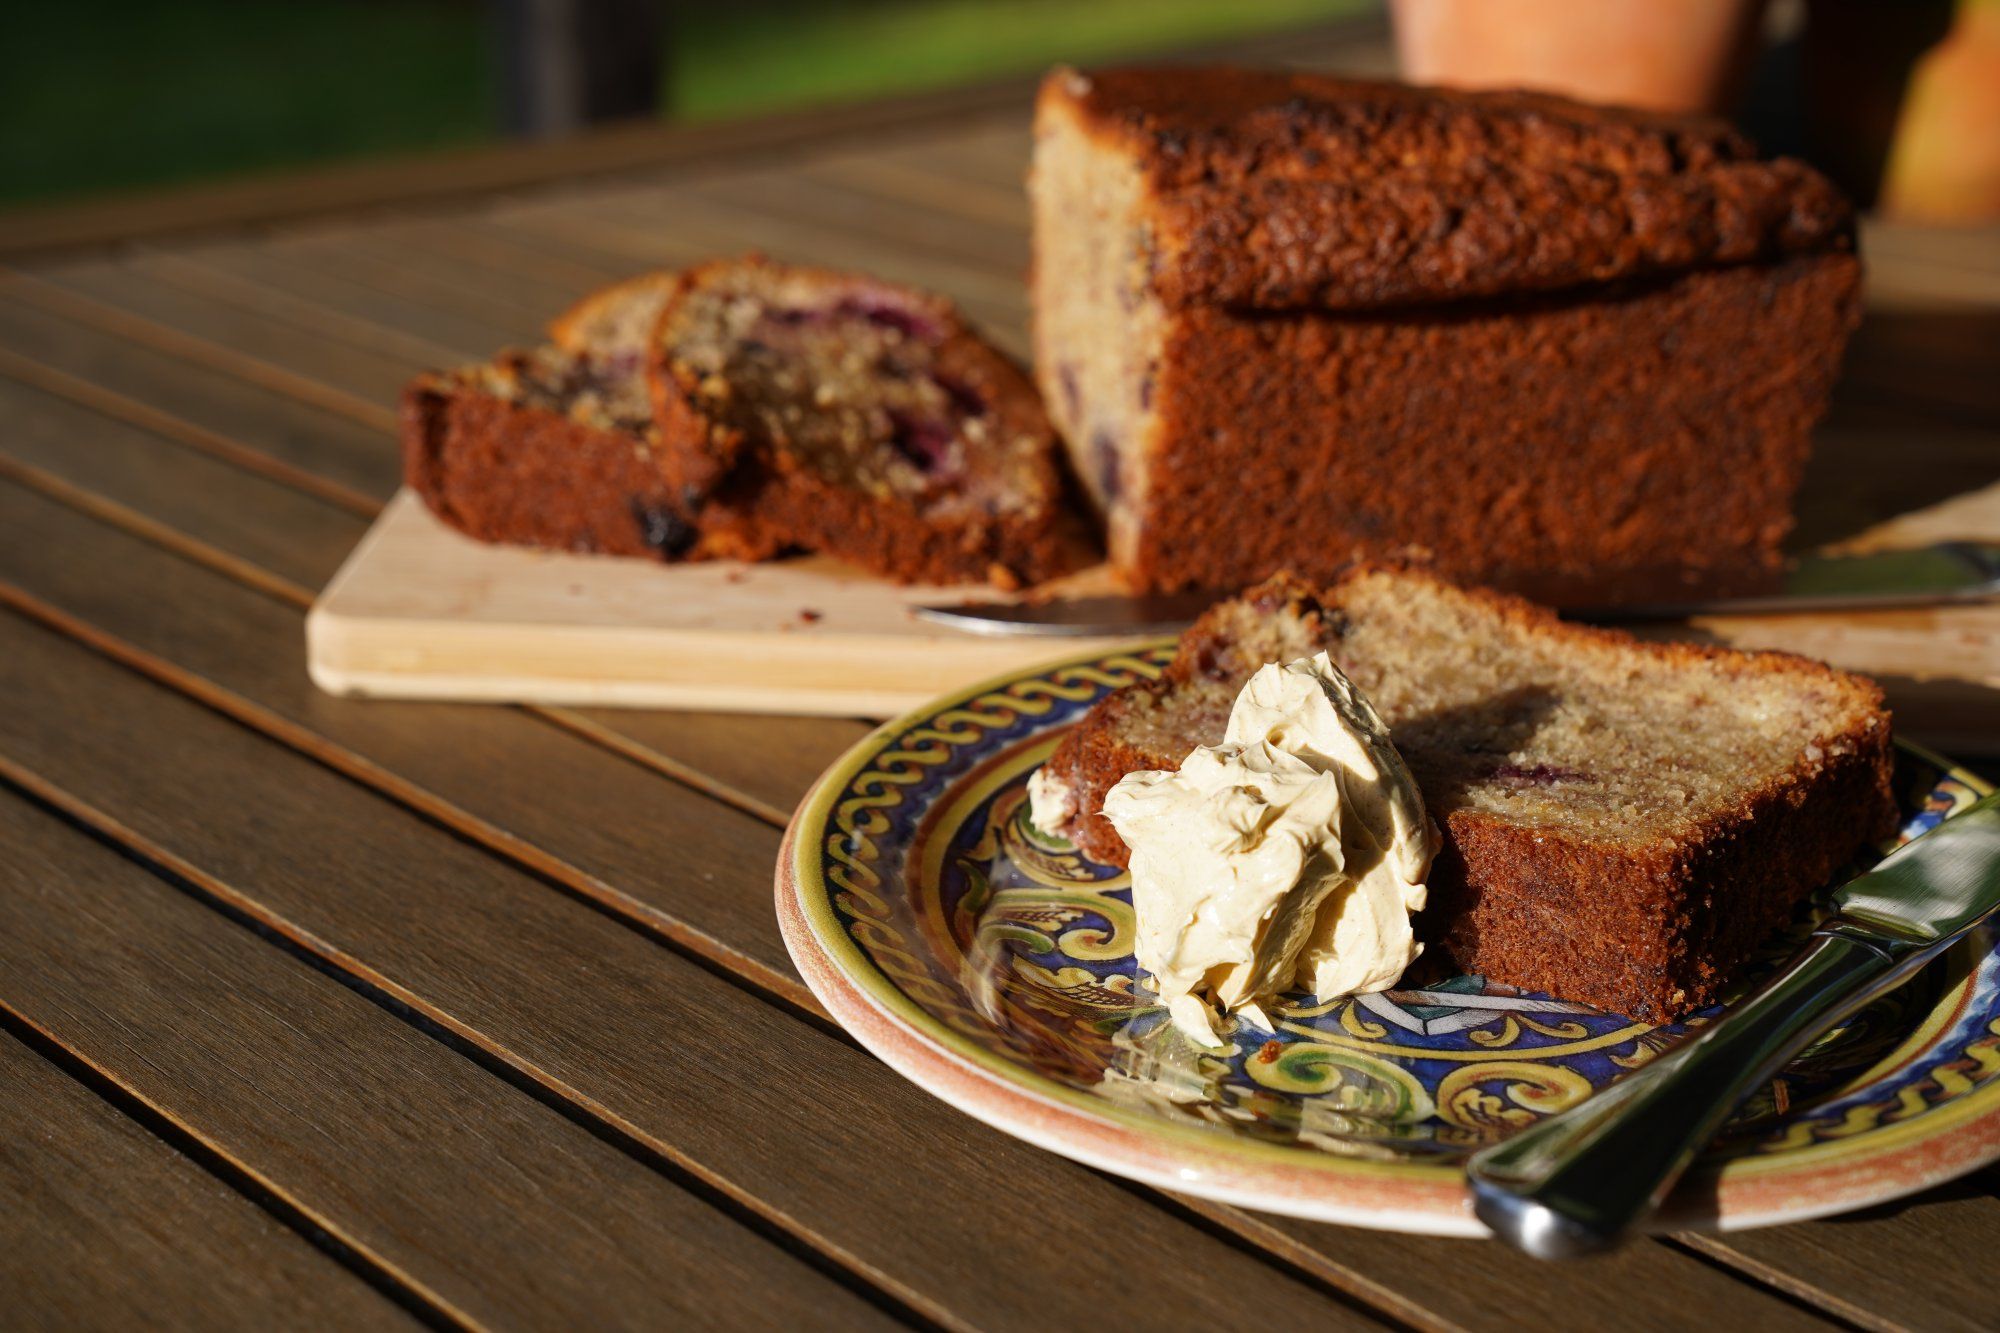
(365, 1014)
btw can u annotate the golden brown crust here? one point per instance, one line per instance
(1543, 440)
(759, 496)
(1531, 335)
(500, 471)
(1281, 190)
(1652, 929)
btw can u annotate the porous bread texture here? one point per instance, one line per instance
(1281, 190)
(1097, 330)
(554, 447)
(1568, 349)
(846, 415)
(616, 322)
(1624, 822)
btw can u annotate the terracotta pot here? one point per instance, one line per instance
(1671, 55)
(1945, 163)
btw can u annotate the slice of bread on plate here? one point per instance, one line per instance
(1625, 822)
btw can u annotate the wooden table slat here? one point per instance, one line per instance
(245, 325)
(268, 276)
(118, 376)
(107, 1226)
(949, 237)
(393, 259)
(29, 375)
(650, 1045)
(466, 252)
(134, 609)
(1651, 1285)
(1914, 1263)
(990, 283)
(992, 152)
(218, 343)
(294, 535)
(367, 1127)
(643, 242)
(502, 800)
(900, 182)
(761, 765)
(222, 286)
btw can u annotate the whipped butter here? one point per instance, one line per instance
(1289, 857)
(1050, 801)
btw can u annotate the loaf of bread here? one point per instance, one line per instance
(1571, 350)
(1624, 821)
(846, 415)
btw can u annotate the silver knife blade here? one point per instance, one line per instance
(1930, 890)
(1918, 576)
(1075, 617)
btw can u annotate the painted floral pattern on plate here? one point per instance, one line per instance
(1014, 940)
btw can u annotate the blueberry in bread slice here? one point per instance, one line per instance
(1625, 822)
(554, 446)
(853, 417)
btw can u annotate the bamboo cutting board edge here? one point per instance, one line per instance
(725, 673)
(421, 612)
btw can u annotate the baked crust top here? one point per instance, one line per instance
(1279, 190)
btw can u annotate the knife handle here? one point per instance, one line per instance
(1577, 1182)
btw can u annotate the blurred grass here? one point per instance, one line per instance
(114, 94)
(124, 94)
(729, 62)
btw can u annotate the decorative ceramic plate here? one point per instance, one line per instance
(993, 966)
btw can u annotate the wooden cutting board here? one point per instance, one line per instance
(421, 612)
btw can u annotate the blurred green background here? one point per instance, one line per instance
(119, 95)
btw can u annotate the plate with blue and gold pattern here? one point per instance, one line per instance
(992, 964)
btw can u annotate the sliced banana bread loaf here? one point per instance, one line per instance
(1624, 821)
(1567, 348)
(846, 415)
(555, 447)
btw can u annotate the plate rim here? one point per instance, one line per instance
(1884, 1163)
